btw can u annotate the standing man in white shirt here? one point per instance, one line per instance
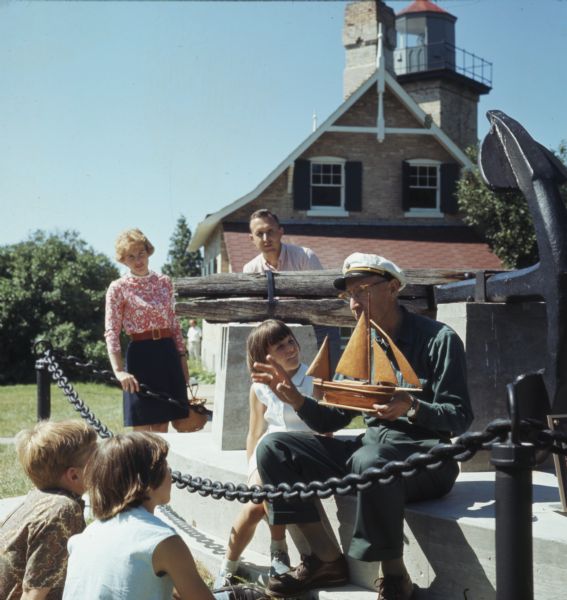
(194, 336)
(266, 234)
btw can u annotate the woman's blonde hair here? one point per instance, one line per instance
(127, 239)
(267, 334)
(49, 448)
(122, 470)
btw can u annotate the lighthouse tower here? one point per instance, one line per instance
(444, 80)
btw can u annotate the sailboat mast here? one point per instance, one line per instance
(368, 340)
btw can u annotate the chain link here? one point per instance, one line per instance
(72, 396)
(461, 450)
(108, 377)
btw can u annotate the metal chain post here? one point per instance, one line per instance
(514, 462)
(43, 381)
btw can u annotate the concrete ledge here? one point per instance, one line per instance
(449, 543)
(7, 505)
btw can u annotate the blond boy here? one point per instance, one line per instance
(33, 538)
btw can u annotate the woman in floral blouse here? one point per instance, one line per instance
(141, 304)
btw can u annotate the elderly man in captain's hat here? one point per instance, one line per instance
(409, 423)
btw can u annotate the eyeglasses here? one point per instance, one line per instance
(358, 291)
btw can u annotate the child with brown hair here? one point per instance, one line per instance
(267, 414)
(129, 552)
(33, 538)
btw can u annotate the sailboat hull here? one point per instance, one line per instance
(354, 395)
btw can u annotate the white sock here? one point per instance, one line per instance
(278, 546)
(229, 566)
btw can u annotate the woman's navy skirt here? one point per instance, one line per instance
(157, 364)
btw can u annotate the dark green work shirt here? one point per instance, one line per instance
(437, 355)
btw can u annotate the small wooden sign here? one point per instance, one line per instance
(559, 423)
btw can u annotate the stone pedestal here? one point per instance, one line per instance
(231, 412)
(502, 341)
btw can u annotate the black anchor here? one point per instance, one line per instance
(510, 159)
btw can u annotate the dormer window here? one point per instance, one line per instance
(424, 187)
(327, 186)
(428, 188)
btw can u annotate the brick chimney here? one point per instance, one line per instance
(360, 39)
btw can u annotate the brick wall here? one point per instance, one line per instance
(382, 163)
(452, 107)
(364, 111)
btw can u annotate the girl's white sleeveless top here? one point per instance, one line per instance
(280, 416)
(112, 560)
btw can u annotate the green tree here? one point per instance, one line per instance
(52, 286)
(503, 218)
(180, 262)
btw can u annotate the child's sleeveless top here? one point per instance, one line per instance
(280, 416)
(112, 560)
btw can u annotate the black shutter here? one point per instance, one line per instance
(353, 186)
(302, 185)
(405, 186)
(450, 173)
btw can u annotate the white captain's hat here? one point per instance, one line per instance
(363, 265)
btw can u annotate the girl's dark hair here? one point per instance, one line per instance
(267, 334)
(122, 470)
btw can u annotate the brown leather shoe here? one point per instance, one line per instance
(309, 574)
(395, 587)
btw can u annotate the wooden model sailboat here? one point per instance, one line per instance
(365, 361)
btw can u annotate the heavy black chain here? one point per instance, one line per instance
(105, 376)
(71, 394)
(462, 449)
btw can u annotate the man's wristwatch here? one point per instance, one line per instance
(412, 410)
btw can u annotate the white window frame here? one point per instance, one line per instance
(328, 211)
(427, 212)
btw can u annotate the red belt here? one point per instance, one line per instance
(152, 334)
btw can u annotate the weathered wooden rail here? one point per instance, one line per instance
(301, 297)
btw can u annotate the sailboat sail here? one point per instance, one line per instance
(383, 371)
(406, 370)
(355, 358)
(321, 365)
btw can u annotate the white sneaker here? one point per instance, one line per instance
(279, 563)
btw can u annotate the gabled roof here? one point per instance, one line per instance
(409, 246)
(206, 227)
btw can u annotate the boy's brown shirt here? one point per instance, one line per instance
(33, 542)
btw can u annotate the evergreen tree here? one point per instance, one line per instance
(180, 262)
(503, 218)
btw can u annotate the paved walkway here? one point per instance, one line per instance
(206, 390)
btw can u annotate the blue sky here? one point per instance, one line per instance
(121, 114)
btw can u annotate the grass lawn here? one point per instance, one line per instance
(196, 370)
(13, 481)
(19, 410)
